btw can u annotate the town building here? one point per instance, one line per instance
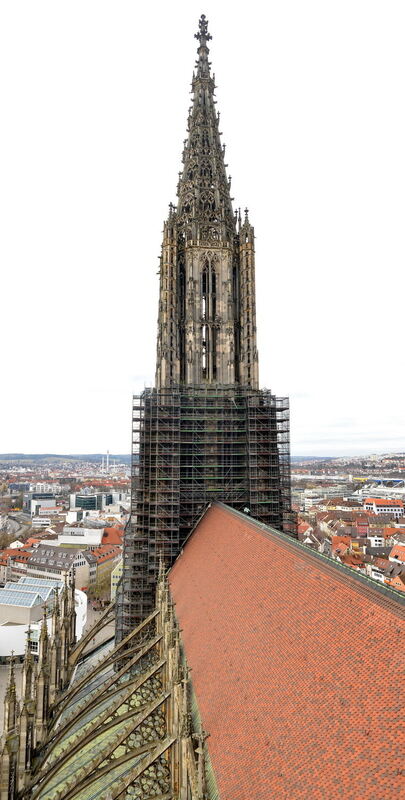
(205, 431)
(397, 554)
(81, 536)
(48, 561)
(106, 558)
(116, 576)
(22, 607)
(96, 501)
(378, 505)
(33, 501)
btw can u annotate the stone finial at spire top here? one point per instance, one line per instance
(203, 36)
(202, 64)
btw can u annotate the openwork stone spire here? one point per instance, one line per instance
(207, 317)
(204, 205)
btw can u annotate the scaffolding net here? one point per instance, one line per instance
(192, 446)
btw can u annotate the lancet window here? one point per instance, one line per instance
(208, 314)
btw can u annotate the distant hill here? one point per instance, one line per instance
(47, 458)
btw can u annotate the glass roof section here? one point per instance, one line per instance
(102, 784)
(90, 717)
(10, 597)
(92, 660)
(27, 581)
(88, 692)
(43, 591)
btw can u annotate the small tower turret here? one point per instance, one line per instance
(55, 651)
(10, 739)
(10, 700)
(42, 684)
(27, 718)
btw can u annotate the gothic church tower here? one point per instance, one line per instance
(206, 431)
(207, 319)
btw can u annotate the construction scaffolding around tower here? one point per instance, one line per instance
(192, 446)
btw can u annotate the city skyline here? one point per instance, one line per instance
(323, 174)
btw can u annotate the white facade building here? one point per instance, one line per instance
(82, 537)
(13, 635)
(378, 505)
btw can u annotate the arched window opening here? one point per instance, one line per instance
(213, 294)
(209, 311)
(204, 333)
(214, 353)
(206, 171)
(204, 291)
(182, 314)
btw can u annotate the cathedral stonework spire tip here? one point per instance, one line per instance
(202, 64)
(203, 35)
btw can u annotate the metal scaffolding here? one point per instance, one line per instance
(192, 446)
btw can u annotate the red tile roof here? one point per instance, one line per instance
(380, 502)
(303, 527)
(398, 552)
(106, 553)
(398, 582)
(21, 556)
(353, 560)
(11, 552)
(280, 673)
(113, 535)
(390, 531)
(340, 544)
(381, 563)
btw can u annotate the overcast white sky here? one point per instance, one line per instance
(94, 98)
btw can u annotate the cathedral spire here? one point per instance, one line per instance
(205, 206)
(206, 326)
